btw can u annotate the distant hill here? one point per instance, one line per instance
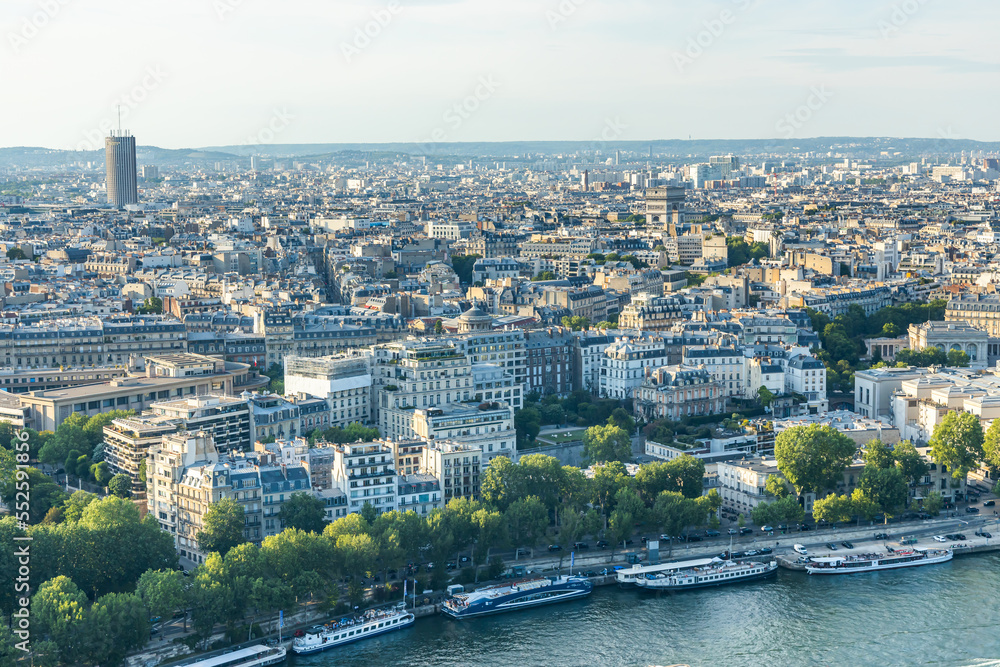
(509, 151)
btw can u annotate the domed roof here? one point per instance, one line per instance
(475, 313)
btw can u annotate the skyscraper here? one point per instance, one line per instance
(119, 152)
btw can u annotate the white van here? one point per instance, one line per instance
(799, 549)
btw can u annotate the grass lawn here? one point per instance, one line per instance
(561, 436)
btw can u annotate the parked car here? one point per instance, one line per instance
(881, 536)
(751, 552)
(972, 510)
(712, 533)
(602, 544)
(805, 527)
(463, 559)
(745, 531)
(694, 538)
(555, 547)
(983, 533)
(732, 531)
(831, 546)
(924, 516)
(738, 554)
(960, 537)
(989, 503)
(766, 550)
(801, 550)
(590, 573)
(938, 538)
(581, 545)
(847, 545)
(523, 552)
(766, 529)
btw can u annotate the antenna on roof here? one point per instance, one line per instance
(119, 119)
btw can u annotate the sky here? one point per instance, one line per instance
(195, 73)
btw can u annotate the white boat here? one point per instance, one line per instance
(627, 577)
(851, 564)
(717, 573)
(370, 624)
(253, 656)
(517, 595)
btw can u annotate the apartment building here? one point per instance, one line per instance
(724, 364)
(672, 392)
(366, 473)
(225, 418)
(343, 381)
(626, 363)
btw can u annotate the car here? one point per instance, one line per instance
(847, 545)
(738, 554)
(805, 527)
(733, 531)
(155, 619)
(924, 516)
(694, 538)
(581, 545)
(745, 531)
(766, 529)
(449, 566)
(645, 540)
(983, 533)
(463, 559)
(938, 538)
(153, 632)
(523, 552)
(972, 510)
(766, 550)
(712, 533)
(881, 536)
(752, 552)
(989, 503)
(831, 546)
(960, 537)
(179, 614)
(602, 544)
(555, 547)
(801, 550)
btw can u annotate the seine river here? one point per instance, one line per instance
(936, 615)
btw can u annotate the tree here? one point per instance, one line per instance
(958, 443)
(991, 445)
(67, 438)
(101, 473)
(765, 396)
(57, 610)
(527, 520)
(305, 512)
(608, 478)
(958, 358)
(45, 494)
(784, 511)
(121, 485)
(877, 454)
(439, 327)
(813, 458)
(622, 419)
(933, 503)
(527, 423)
(606, 443)
(463, 266)
(223, 527)
(151, 306)
(910, 462)
(864, 507)
(776, 487)
(15, 253)
(833, 509)
(74, 506)
(162, 591)
(116, 625)
(673, 513)
(885, 487)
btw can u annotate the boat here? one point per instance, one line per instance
(877, 561)
(628, 577)
(253, 656)
(370, 624)
(516, 595)
(716, 573)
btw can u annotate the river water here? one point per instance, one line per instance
(945, 614)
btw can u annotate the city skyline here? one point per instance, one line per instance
(577, 70)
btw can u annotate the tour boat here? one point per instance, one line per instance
(877, 561)
(253, 656)
(517, 595)
(371, 623)
(718, 572)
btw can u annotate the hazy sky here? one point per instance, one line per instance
(216, 72)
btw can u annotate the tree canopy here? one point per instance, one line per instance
(813, 458)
